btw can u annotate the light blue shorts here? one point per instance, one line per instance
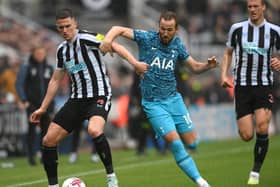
(168, 115)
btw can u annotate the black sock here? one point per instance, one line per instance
(50, 161)
(104, 152)
(260, 151)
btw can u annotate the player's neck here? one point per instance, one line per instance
(257, 22)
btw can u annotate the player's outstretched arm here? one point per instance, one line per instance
(114, 32)
(53, 87)
(140, 67)
(200, 67)
(225, 80)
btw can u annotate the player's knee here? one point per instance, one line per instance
(94, 132)
(48, 142)
(193, 145)
(246, 136)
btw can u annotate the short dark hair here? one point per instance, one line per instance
(64, 13)
(169, 15)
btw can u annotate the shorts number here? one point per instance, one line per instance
(187, 118)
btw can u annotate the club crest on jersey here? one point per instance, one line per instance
(164, 64)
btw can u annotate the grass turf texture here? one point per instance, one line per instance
(223, 163)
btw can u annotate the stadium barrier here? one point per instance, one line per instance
(13, 126)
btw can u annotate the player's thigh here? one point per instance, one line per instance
(246, 127)
(96, 125)
(160, 119)
(54, 135)
(263, 116)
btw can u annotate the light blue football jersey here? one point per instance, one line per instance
(159, 82)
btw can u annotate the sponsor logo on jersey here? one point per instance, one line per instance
(75, 68)
(251, 48)
(163, 64)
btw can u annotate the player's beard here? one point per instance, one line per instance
(165, 39)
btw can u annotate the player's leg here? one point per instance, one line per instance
(184, 124)
(44, 125)
(164, 126)
(95, 129)
(263, 117)
(54, 135)
(94, 156)
(246, 127)
(63, 124)
(244, 97)
(75, 144)
(190, 139)
(31, 134)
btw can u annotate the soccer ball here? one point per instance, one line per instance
(73, 182)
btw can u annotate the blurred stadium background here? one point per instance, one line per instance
(203, 26)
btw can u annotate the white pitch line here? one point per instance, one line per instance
(142, 164)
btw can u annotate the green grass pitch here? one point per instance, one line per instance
(223, 163)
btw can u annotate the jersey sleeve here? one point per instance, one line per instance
(91, 39)
(59, 58)
(183, 54)
(277, 38)
(231, 43)
(20, 81)
(141, 36)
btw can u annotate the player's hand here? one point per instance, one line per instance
(141, 68)
(275, 63)
(36, 116)
(226, 82)
(212, 62)
(106, 47)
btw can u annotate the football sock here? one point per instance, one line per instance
(50, 161)
(184, 160)
(104, 152)
(260, 151)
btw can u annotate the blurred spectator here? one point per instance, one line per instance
(76, 138)
(8, 81)
(32, 82)
(138, 123)
(25, 38)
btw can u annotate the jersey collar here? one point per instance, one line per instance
(260, 25)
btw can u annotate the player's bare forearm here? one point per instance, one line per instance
(139, 67)
(200, 67)
(53, 87)
(225, 81)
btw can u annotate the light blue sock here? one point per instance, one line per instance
(184, 160)
(193, 146)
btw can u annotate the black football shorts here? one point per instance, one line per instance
(75, 111)
(250, 98)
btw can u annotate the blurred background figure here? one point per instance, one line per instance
(139, 125)
(31, 84)
(8, 81)
(76, 137)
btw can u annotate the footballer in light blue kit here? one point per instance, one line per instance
(163, 105)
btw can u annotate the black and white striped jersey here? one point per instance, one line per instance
(253, 47)
(82, 59)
